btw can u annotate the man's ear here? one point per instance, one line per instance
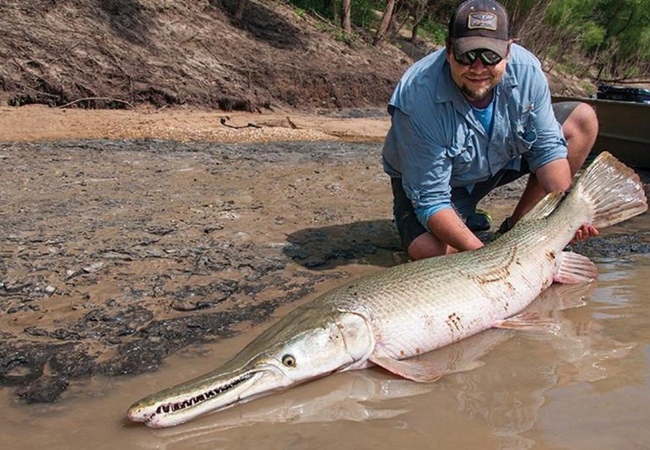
(508, 51)
(448, 50)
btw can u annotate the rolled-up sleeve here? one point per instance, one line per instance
(423, 164)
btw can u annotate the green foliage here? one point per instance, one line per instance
(361, 12)
(613, 35)
(342, 37)
(434, 31)
(589, 88)
(644, 44)
(593, 37)
(565, 13)
(317, 6)
(553, 52)
(299, 12)
(604, 38)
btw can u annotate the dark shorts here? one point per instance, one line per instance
(408, 225)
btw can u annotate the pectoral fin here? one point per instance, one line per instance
(414, 370)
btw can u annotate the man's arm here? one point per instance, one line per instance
(556, 177)
(449, 228)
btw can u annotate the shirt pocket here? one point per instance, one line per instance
(524, 132)
(462, 151)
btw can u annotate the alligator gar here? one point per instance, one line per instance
(387, 317)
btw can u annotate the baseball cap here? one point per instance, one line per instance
(479, 24)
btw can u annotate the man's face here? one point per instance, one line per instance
(477, 80)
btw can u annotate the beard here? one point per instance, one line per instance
(478, 94)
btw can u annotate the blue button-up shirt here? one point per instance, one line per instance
(435, 142)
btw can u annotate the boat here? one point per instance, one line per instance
(624, 126)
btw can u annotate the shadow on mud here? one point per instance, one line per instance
(128, 20)
(377, 243)
(263, 24)
(372, 242)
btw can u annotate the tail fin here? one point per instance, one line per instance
(613, 190)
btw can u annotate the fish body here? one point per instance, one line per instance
(387, 317)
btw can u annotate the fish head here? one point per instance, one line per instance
(295, 350)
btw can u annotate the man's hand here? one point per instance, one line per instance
(584, 233)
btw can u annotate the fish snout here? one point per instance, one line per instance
(137, 413)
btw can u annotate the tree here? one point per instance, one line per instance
(346, 22)
(418, 10)
(239, 11)
(386, 19)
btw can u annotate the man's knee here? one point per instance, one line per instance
(581, 125)
(580, 130)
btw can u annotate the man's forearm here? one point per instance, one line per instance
(552, 177)
(449, 228)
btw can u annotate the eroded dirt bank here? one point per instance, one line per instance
(118, 250)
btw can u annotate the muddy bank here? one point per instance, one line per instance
(116, 254)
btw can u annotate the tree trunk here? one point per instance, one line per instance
(418, 9)
(414, 32)
(346, 22)
(241, 6)
(385, 22)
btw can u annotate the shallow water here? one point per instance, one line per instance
(585, 387)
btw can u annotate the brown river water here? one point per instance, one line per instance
(585, 387)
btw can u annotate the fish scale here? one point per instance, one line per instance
(387, 317)
(401, 305)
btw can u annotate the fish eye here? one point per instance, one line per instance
(289, 360)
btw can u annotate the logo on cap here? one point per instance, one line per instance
(482, 21)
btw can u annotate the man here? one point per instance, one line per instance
(468, 118)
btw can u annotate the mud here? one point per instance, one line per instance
(119, 253)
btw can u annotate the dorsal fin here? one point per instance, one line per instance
(544, 208)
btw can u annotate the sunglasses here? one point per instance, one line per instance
(488, 57)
